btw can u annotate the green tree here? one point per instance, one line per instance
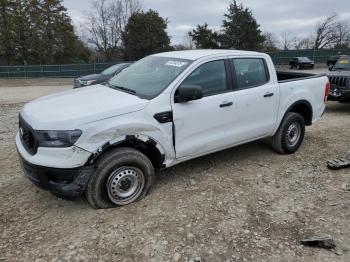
(57, 32)
(204, 38)
(240, 29)
(37, 31)
(7, 32)
(145, 34)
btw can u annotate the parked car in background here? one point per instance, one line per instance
(301, 63)
(339, 77)
(104, 76)
(333, 60)
(107, 140)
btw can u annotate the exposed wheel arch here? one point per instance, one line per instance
(304, 108)
(146, 146)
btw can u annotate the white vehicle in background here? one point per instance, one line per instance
(105, 141)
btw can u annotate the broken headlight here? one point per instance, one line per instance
(50, 138)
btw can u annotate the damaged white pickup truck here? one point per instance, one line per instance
(105, 141)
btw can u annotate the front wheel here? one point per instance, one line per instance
(290, 134)
(122, 176)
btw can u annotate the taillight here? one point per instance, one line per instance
(326, 93)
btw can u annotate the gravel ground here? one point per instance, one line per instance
(243, 204)
(23, 90)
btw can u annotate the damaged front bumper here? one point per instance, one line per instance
(70, 182)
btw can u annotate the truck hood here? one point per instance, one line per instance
(339, 73)
(67, 110)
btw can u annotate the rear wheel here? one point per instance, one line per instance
(123, 176)
(290, 134)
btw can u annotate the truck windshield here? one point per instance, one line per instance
(342, 64)
(148, 77)
(111, 70)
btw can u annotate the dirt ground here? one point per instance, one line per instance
(243, 204)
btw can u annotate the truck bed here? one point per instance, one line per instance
(283, 76)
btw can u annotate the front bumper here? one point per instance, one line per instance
(62, 171)
(338, 93)
(63, 182)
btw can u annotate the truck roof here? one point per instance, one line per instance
(197, 54)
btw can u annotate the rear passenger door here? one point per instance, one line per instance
(255, 99)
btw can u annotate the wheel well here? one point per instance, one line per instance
(148, 148)
(304, 109)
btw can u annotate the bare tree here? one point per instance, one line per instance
(324, 33)
(303, 43)
(107, 22)
(269, 44)
(188, 42)
(342, 34)
(286, 41)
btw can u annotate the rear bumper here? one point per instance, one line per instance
(77, 83)
(64, 182)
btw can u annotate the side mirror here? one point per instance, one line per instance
(187, 93)
(330, 67)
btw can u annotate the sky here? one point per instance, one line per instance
(293, 17)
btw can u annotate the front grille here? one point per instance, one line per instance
(28, 137)
(340, 81)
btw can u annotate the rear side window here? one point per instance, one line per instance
(210, 76)
(250, 72)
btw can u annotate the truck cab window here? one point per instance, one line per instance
(250, 72)
(210, 76)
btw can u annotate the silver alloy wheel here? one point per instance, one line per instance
(125, 185)
(293, 134)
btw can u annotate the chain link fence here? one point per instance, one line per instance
(69, 70)
(319, 56)
(75, 70)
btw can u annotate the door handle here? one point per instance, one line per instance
(226, 104)
(268, 94)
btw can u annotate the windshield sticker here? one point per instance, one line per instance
(176, 63)
(344, 62)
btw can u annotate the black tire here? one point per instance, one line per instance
(98, 192)
(299, 67)
(281, 141)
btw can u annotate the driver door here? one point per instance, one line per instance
(203, 125)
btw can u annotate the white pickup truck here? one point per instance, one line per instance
(106, 141)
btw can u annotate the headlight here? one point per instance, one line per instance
(88, 83)
(58, 138)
